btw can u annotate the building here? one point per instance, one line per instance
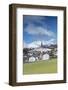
(46, 56)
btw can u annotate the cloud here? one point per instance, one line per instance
(38, 30)
(34, 19)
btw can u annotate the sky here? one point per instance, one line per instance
(37, 29)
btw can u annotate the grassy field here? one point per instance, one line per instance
(41, 67)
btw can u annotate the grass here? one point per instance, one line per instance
(41, 67)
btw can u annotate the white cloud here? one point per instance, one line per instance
(34, 19)
(38, 30)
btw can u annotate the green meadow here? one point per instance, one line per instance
(40, 67)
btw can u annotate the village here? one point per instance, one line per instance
(42, 52)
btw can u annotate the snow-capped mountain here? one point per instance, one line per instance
(33, 44)
(36, 44)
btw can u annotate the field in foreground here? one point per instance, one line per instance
(40, 67)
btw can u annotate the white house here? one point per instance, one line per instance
(32, 59)
(45, 57)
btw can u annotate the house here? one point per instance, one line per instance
(46, 56)
(31, 59)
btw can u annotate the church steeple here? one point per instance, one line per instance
(41, 44)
